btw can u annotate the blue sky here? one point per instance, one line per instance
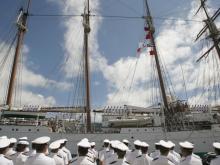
(50, 40)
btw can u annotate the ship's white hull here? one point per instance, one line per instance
(202, 139)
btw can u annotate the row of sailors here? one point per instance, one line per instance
(113, 153)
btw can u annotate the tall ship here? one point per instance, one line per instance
(170, 119)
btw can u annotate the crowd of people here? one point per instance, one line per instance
(114, 152)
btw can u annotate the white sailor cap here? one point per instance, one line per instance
(92, 143)
(137, 142)
(157, 143)
(186, 144)
(4, 142)
(173, 145)
(3, 137)
(23, 142)
(125, 141)
(54, 145)
(165, 144)
(41, 140)
(85, 139)
(121, 146)
(23, 138)
(106, 141)
(13, 140)
(84, 144)
(216, 145)
(114, 143)
(144, 144)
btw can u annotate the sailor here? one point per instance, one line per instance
(24, 139)
(173, 156)
(20, 157)
(94, 151)
(164, 151)
(33, 149)
(83, 159)
(4, 144)
(187, 154)
(216, 161)
(143, 159)
(63, 147)
(42, 149)
(173, 151)
(113, 156)
(104, 151)
(54, 153)
(134, 153)
(121, 149)
(126, 142)
(156, 153)
(11, 150)
(62, 153)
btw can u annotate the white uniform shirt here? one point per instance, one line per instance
(143, 159)
(19, 158)
(64, 156)
(176, 154)
(155, 154)
(103, 154)
(120, 162)
(5, 161)
(69, 156)
(32, 153)
(112, 158)
(82, 160)
(10, 152)
(161, 160)
(130, 157)
(58, 159)
(173, 158)
(215, 161)
(190, 160)
(40, 159)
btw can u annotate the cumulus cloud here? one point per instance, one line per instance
(178, 52)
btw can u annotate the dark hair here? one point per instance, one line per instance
(137, 147)
(164, 151)
(3, 150)
(144, 150)
(82, 151)
(217, 151)
(20, 147)
(157, 146)
(40, 148)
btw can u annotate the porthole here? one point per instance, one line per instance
(12, 129)
(29, 130)
(145, 129)
(37, 130)
(16, 129)
(0, 129)
(129, 130)
(137, 130)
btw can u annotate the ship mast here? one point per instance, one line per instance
(149, 22)
(21, 24)
(86, 25)
(210, 25)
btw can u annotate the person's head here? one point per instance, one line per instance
(21, 146)
(106, 144)
(164, 147)
(157, 146)
(92, 145)
(54, 146)
(4, 145)
(216, 146)
(126, 142)
(120, 153)
(172, 144)
(121, 149)
(144, 147)
(41, 144)
(83, 147)
(137, 144)
(186, 148)
(12, 142)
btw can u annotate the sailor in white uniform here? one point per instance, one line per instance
(11, 150)
(134, 153)
(173, 156)
(121, 149)
(216, 161)
(67, 151)
(187, 154)
(42, 149)
(114, 156)
(83, 159)
(4, 144)
(27, 150)
(94, 151)
(164, 151)
(143, 159)
(156, 153)
(62, 153)
(54, 153)
(104, 152)
(20, 158)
